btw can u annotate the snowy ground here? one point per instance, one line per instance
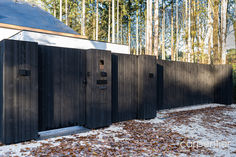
(197, 131)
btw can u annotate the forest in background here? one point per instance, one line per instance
(181, 30)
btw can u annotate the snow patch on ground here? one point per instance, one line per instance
(217, 137)
(114, 128)
(152, 121)
(195, 107)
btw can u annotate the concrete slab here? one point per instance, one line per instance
(61, 132)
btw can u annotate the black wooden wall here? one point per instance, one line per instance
(147, 84)
(98, 88)
(223, 84)
(133, 87)
(95, 88)
(124, 87)
(180, 84)
(62, 87)
(18, 91)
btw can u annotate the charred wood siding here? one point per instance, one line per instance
(147, 87)
(124, 87)
(134, 84)
(182, 84)
(62, 88)
(98, 88)
(94, 88)
(19, 91)
(223, 93)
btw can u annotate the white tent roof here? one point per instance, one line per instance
(23, 14)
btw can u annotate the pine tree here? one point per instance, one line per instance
(163, 31)
(83, 18)
(172, 31)
(156, 28)
(60, 10)
(117, 23)
(217, 55)
(109, 22)
(96, 19)
(177, 31)
(224, 4)
(113, 21)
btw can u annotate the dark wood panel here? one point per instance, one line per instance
(19, 92)
(147, 87)
(185, 84)
(124, 87)
(98, 96)
(62, 89)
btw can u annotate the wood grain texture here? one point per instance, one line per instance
(62, 89)
(19, 91)
(184, 84)
(147, 87)
(124, 87)
(98, 96)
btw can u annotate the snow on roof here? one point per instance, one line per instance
(23, 14)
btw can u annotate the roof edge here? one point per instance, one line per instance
(10, 26)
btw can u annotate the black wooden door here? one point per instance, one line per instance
(124, 87)
(62, 89)
(98, 88)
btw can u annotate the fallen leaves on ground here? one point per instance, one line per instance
(139, 138)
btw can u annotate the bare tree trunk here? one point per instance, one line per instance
(177, 31)
(210, 31)
(156, 28)
(94, 27)
(201, 45)
(117, 33)
(109, 22)
(121, 26)
(198, 32)
(193, 35)
(113, 21)
(83, 18)
(129, 30)
(54, 9)
(217, 55)
(96, 19)
(66, 12)
(189, 33)
(235, 26)
(172, 31)
(186, 32)
(224, 4)
(147, 28)
(163, 31)
(140, 47)
(60, 10)
(137, 34)
(150, 28)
